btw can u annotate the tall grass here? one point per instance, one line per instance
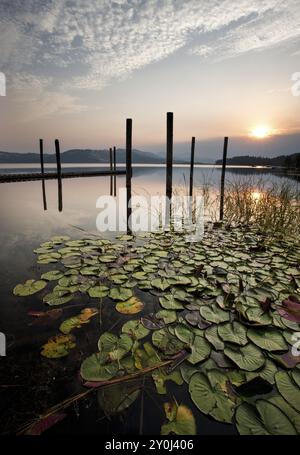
(272, 207)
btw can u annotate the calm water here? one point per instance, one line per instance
(24, 225)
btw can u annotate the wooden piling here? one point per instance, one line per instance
(115, 168)
(223, 178)
(59, 182)
(111, 168)
(169, 157)
(43, 174)
(128, 171)
(192, 166)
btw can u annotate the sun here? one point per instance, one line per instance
(261, 132)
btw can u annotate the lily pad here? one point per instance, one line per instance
(29, 287)
(114, 348)
(268, 339)
(130, 306)
(92, 369)
(249, 357)
(233, 332)
(181, 420)
(135, 329)
(52, 275)
(288, 389)
(98, 291)
(120, 294)
(58, 346)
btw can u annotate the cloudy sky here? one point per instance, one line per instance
(76, 69)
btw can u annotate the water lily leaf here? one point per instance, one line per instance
(214, 314)
(135, 329)
(52, 275)
(233, 333)
(211, 400)
(107, 258)
(160, 376)
(77, 321)
(211, 334)
(93, 370)
(60, 239)
(168, 316)
(57, 298)
(200, 350)
(120, 294)
(29, 287)
(118, 397)
(90, 270)
(248, 421)
(139, 275)
(58, 346)
(288, 389)
(166, 342)
(160, 283)
(181, 420)
(184, 334)
(98, 291)
(130, 306)
(179, 280)
(113, 347)
(267, 372)
(187, 370)
(170, 303)
(272, 420)
(249, 357)
(267, 339)
(290, 412)
(118, 278)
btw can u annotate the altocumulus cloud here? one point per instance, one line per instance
(67, 44)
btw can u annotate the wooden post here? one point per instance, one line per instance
(192, 166)
(128, 170)
(169, 159)
(43, 172)
(115, 177)
(169, 168)
(111, 168)
(58, 165)
(223, 178)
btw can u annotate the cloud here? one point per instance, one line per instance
(76, 44)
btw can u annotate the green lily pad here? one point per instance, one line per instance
(233, 333)
(268, 339)
(52, 275)
(288, 389)
(211, 334)
(181, 420)
(168, 316)
(214, 314)
(249, 357)
(135, 329)
(170, 303)
(92, 369)
(29, 287)
(98, 291)
(166, 342)
(212, 400)
(57, 298)
(114, 348)
(120, 294)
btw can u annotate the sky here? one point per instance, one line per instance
(75, 70)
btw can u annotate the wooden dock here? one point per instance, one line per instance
(7, 178)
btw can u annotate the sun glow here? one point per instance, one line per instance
(261, 132)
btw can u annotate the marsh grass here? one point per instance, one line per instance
(272, 208)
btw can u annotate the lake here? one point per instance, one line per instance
(24, 225)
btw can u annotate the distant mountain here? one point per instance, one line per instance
(282, 160)
(82, 156)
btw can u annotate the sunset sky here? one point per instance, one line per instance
(76, 69)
